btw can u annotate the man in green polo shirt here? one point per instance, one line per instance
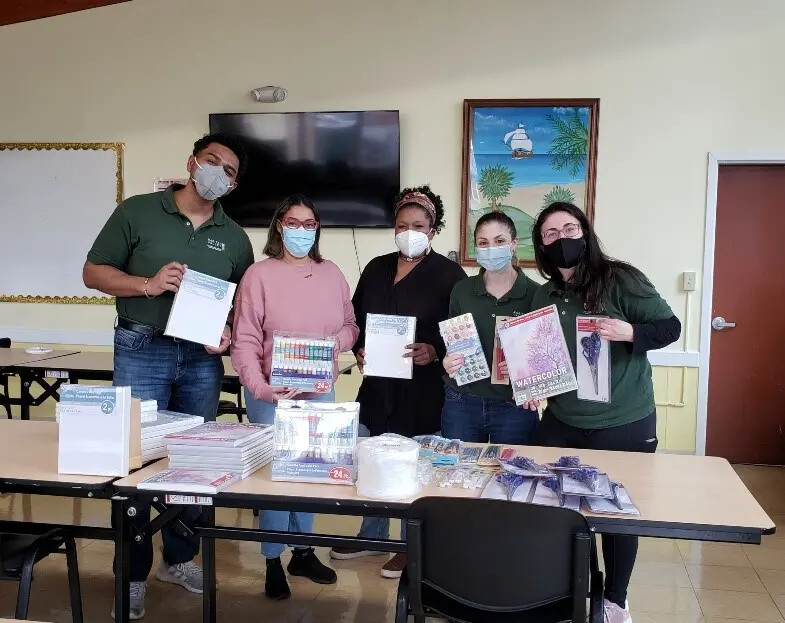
(139, 257)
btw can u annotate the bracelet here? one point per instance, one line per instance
(144, 289)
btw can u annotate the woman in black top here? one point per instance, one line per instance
(415, 281)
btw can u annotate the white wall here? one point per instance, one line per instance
(676, 79)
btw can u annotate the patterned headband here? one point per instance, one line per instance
(418, 199)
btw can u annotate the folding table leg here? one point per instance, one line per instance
(208, 560)
(73, 580)
(122, 559)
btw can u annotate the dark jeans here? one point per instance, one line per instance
(182, 377)
(480, 420)
(619, 552)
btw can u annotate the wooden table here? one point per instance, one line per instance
(28, 464)
(10, 357)
(679, 496)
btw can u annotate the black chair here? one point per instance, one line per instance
(493, 561)
(19, 554)
(5, 397)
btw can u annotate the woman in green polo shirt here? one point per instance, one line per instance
(483, 411)
(583, 281)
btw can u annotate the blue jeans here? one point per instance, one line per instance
(183, 377)
(377, 527)
(482, 420)
(261, 412)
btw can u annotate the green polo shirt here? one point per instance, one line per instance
(632, 391)
(470, 297)
(147, 232)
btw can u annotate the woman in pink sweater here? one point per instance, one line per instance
(293, 290)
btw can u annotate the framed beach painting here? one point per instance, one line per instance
(521, 155)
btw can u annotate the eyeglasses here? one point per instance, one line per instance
(292, 223)
(570, 230)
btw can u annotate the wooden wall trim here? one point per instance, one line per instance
(15, 11)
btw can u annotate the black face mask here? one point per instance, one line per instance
(565, 252)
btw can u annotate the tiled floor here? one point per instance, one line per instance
(674, 582)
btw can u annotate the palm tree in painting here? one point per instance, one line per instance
(495, 184)
(570, 146)
(558, 193)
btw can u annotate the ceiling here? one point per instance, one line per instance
(15, 11)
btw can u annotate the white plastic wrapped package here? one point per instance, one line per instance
(387, 467)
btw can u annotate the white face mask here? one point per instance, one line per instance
(412, 243)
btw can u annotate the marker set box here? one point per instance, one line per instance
(316, 441)
(461, 338)
(303, 363)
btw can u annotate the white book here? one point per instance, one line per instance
(94, 431)
(190, 481)
(200, 309)
(215, 452)
(242, 469)
(153, 455)
(386, 339)
(222, 460)
(168, 421)
(220, 434)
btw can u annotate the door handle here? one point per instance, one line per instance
(719, 323)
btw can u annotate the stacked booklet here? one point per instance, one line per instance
(218, 446)
(190, 481)
(155, 430)
(148, 409)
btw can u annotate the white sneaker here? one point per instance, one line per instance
(186, 574)
(136, 599)
(613, 613)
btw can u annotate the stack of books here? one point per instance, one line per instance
(221, 447)
(148, 408)
(155, 430)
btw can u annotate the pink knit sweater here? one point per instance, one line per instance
(311, 300)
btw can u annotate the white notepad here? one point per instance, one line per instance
(386, 339)
(95, 430)
(200, 309)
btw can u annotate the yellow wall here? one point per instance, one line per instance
(676, 79)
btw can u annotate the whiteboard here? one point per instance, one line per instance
(54, 199)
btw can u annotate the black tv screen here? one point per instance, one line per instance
(348, 163)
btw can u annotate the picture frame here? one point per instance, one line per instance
(520, 155)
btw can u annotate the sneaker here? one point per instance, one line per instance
(136, 595)
(394, 567)
(186, 574)
(275, 584)
(348, 553)
(614, 613)
(305, 563)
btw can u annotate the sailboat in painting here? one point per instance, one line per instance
(519, 142)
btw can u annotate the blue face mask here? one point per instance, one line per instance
(298, 241)
(494, 259)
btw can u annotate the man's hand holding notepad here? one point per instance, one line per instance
(200, 309)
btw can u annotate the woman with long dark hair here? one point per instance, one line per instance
(584, 281)
(297, 291)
